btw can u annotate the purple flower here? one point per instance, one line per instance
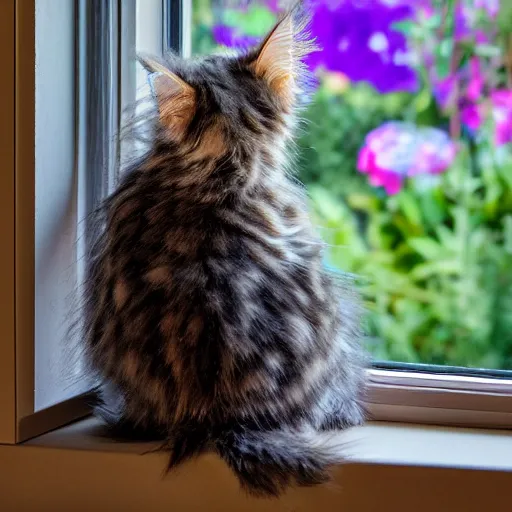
(231, 37)
(358, 40)
(398, 150)
(445, 91)
(463, 21)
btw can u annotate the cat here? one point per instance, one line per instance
(209, 314)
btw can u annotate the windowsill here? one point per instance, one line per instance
(392, 467)
(375, 443)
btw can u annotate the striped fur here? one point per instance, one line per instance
(209, 314)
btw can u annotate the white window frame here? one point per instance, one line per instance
(441, 399)
(100, 86)
(19, 419)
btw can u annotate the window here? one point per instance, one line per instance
(408, 172)
(406, 155)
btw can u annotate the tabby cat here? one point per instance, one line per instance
(209, 315)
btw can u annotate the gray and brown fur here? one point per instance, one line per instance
(209, 314)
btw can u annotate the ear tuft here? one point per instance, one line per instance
(275, 58)
(280, 57)
(175, 98)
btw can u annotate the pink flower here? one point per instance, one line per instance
(397, 150)
(471, 117)
(502, 115)
(500, 107)
(476, 81)
(481, 37)
(377, 176)
(467, 84)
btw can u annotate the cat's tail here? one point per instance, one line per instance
(268, 462)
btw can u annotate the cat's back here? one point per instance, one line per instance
(206, 291)
(224, 251)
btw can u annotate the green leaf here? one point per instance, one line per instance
(488, 51)
(364, 202)
(256, 21)
(405, 26)
(422, 101)
(507, 233)
(506, 173)
(426, 247)
(410, 208)
(436, 268)
(434, 21)
(432, 210)
(443, 57)
(326, 205)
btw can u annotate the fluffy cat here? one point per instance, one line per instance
(209, 314)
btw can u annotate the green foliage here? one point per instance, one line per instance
(437, 265)
(257, 20)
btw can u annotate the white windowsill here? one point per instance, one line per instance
(376, 443)
(393, 467)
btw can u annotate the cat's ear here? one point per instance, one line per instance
(175, 98)
(280, 56)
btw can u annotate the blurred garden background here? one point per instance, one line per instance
(406, 153)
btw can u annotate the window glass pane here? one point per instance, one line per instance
(407, 157)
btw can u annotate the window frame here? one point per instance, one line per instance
(7, 219)
(24, 207)
(26, 422)
(19, 419)
(439, 399)
(392, 395)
